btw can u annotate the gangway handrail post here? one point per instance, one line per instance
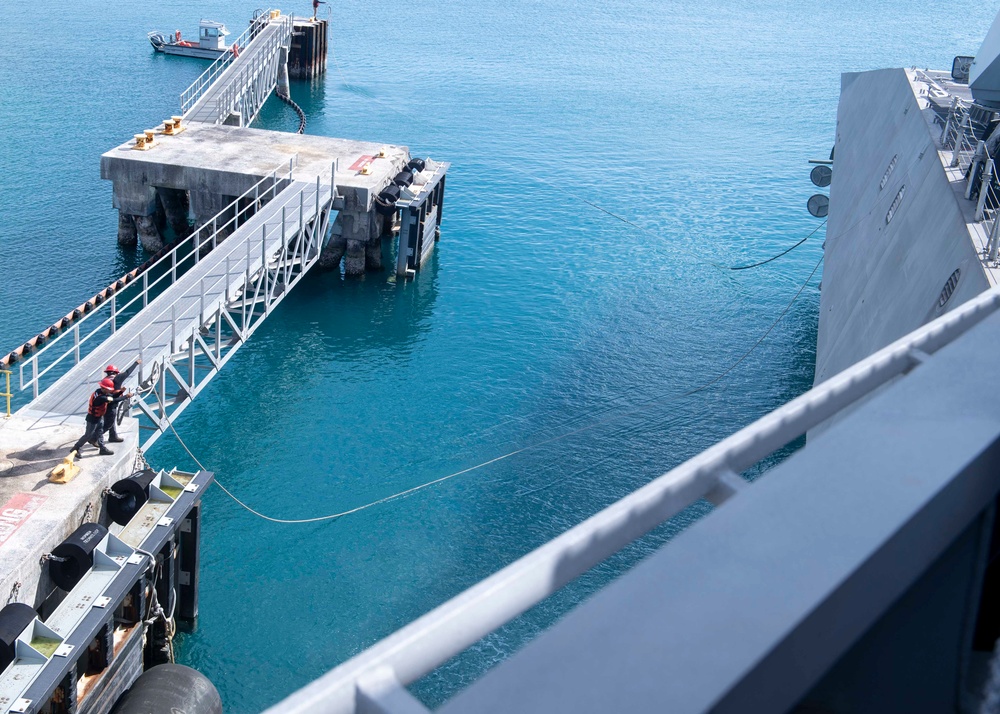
(145, 288)
(8, 394)
(114, 313)
(173, 329)
(34, 378)
(300, 243)
(76, 346)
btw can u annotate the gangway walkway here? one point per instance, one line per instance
(213, 292)
(240, 81)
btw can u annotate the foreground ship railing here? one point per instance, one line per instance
(375, 680)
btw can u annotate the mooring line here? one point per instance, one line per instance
(402, 494)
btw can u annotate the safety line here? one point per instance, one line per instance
(784, 252)
(502, 457)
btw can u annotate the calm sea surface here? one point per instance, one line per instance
(537, 315)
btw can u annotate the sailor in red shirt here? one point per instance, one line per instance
(99, 402)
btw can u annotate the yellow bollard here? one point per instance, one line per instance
(66, 471)
(140, 141)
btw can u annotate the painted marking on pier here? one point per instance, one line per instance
(358, 165)
(16, 511)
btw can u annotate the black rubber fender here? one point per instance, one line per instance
(13, 619)
(170, 689)
(416, 165)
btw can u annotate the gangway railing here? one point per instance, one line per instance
(375, 680)
(193, 93)
(46, 365)
(246, 91)
(235, 294)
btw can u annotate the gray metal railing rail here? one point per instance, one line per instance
(375, 679)
(969, 155)
(89, 331)
(196, 341)
(247, 92)
(193, 93)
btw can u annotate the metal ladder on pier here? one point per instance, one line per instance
(191, 310)
(241, 83)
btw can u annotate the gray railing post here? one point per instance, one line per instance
(984, 188)
(959, 141)
(114, 313)
(976, 159)
(145, 288)
(994, 242)
(76, 344)
(948, 123)
(34, 378)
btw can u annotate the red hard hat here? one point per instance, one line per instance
(107, 383)
(111, 369)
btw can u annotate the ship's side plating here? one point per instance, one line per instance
(896, 231)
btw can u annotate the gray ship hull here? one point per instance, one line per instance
(899, 224)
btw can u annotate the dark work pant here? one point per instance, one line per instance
(110, 417)
(95, 432)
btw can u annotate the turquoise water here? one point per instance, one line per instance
(537, 315)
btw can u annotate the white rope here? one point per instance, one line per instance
(593, 425)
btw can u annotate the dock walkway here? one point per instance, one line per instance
(170, 320)
(247, 81)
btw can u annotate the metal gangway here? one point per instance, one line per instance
(188, 313)
(240, 81)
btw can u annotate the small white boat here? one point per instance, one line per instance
(211, 42)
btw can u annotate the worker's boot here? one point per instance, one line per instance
(105, 451)
(115, 439)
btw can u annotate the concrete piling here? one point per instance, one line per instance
(149, 234)
(175, 206)
(127, 237)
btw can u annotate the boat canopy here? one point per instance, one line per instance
(211, 28)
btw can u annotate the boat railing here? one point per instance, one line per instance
(959, 134)
(972, 159)
(376, 679)
(198, 88)
(84, 333)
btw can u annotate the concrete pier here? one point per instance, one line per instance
(211, 164)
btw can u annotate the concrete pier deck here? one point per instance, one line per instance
(227, 160)
(35, 514)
